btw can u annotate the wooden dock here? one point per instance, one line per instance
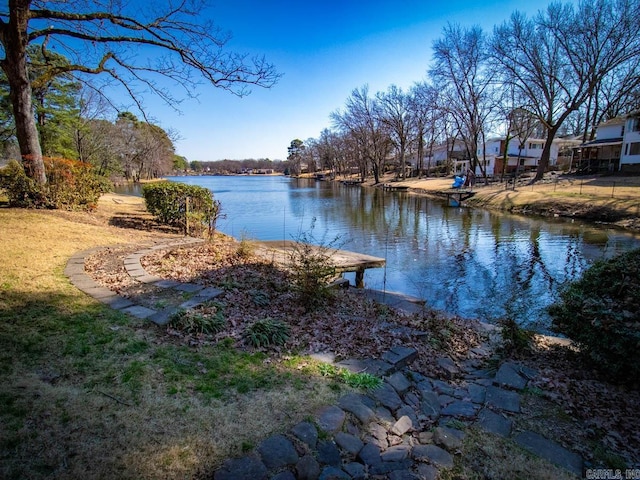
(458, 195)
(394, 188)
(280, 251)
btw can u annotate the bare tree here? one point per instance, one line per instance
(424, 106)
(105, 37)
(361, 120)
(558, 58)
(461, 73)
(394, 110)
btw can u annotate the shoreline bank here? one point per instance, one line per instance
(610, 200)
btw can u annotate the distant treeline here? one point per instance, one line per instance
(251, 165)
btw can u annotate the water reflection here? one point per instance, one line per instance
(473, 263)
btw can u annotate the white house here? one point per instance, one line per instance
(615, 148)
(603, 153)
(630, 158)
(522, 155)
(455, 155)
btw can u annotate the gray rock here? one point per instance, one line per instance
(370, 454)
(328, 453)
(385, 468)
(448, 366)
(287, 475)
(402, 475)
(492, 422)
(445, 400)
(187, 287)
(333, 473)
(402, 426)
(425, 437)
(508, 376)
(427, 472)
(412, 400)
(550, 451)
(348, 443)
(442, 388)
(448, 438)
(503, 399)
(384, 414)
(382, 443)
(331, 418)
(354, 404)
(460, 409)
(387, 396)
(477, 393)
(400, 357)
(139, 311)
(277, 451)
(245, 468)
(430, 405)
(424, 385)
(307, 433)
(307, 468)
(433, 454)
(400, 382)
(356, 470)
(396, 453)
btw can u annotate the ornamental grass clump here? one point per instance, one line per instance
(267, 332)
(191, 322)
(600, 312)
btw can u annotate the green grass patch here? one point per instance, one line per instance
(218, 371)
(360, 380)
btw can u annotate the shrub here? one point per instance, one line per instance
(515, 339)
(70, 185)
(268, 331)
(601, 313)
(312, 270)
(190, 207)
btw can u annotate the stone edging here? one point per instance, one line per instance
(76, 273)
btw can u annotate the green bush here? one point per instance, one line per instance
(601, 313)
(70, 185)
(268, 331)
(190, 207)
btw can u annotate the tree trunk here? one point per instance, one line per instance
(15, 42)
(543, 163)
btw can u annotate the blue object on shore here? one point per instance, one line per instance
(457, 182)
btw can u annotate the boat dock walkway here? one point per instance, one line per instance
(280, 251)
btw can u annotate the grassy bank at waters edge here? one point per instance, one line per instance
(611, 199)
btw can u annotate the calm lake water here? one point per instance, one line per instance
(474, 263)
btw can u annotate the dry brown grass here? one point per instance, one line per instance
(488, 456)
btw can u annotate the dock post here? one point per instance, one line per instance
(360, 278)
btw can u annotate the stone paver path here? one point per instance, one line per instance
(410, 428)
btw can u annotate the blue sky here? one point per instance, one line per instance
(324, 49)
